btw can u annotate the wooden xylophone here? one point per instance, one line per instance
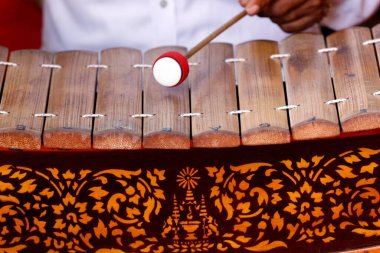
(267, 147)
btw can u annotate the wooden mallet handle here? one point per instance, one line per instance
(218, 31)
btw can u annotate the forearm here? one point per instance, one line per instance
(347, 13)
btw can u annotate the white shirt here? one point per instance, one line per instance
(145, 24)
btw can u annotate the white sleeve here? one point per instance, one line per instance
(346, 13)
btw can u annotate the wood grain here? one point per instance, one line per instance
(308, 84)
(119, 97)
(25, 94)
(261, 90)
(72, 94)
(3, 57)
(356, 77)
(165, 130)
(213, 93)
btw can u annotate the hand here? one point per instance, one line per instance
(291, 15)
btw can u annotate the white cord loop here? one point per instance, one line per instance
(336, 101)
(7, 63)
(286, 107)
(142, 65)
(376, 93)
(97, 66)
(239, 112)
(46, 115)
(279, 56)
(4, 112)
(93, 115)
(369, 42)
(191, 114)
(328, 50)
(194, 63)
(142, 115)
(229, 60)
(52, 66)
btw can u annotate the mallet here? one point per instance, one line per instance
(172, 68)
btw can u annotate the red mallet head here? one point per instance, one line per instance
(171, 69)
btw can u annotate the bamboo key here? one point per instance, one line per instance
(172, 68)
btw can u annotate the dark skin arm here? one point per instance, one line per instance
(291, 15)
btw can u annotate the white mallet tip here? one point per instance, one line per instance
(167, 71)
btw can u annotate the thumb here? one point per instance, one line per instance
(253, 7)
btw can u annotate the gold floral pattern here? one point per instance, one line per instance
(251, 207)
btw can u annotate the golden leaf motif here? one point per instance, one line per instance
(244, 207)
(369, 168)
(294, 196)
(243, 239)
(135, 232)
(9, 198)
(377, 223)
(214, 191)
(131, 212)
(231, 185)
(262, 195)
(46, 192)
(211, 171)
(68, 175)
(266, 246)
(113, 202)
(227, 201)
(345, 172)
(337, 210)
(14, 249)
(326, 179)
(27, 186)
(242, 227)
(365, 181)
(219, 176)
(141, 189)
(367, 153)
(328, 239)
(18, 175)
(218, 205)
(159, 194)
(153, 179)
(98, 193)
(288, 164)
(40, 225)
(275, 184)
(5, 186)
(303, 164)
(371, 193)
(275, 198)
(250, 167)
(277, 221)
(149, 204)
(366, 232)
(239, 195)
(160, 174)
(137, 244)
(352, 159)
(316, 160)
(120, 173)
(5, 170)
(232, 244)
(135, 199)
(100, 229)
(98, 207)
